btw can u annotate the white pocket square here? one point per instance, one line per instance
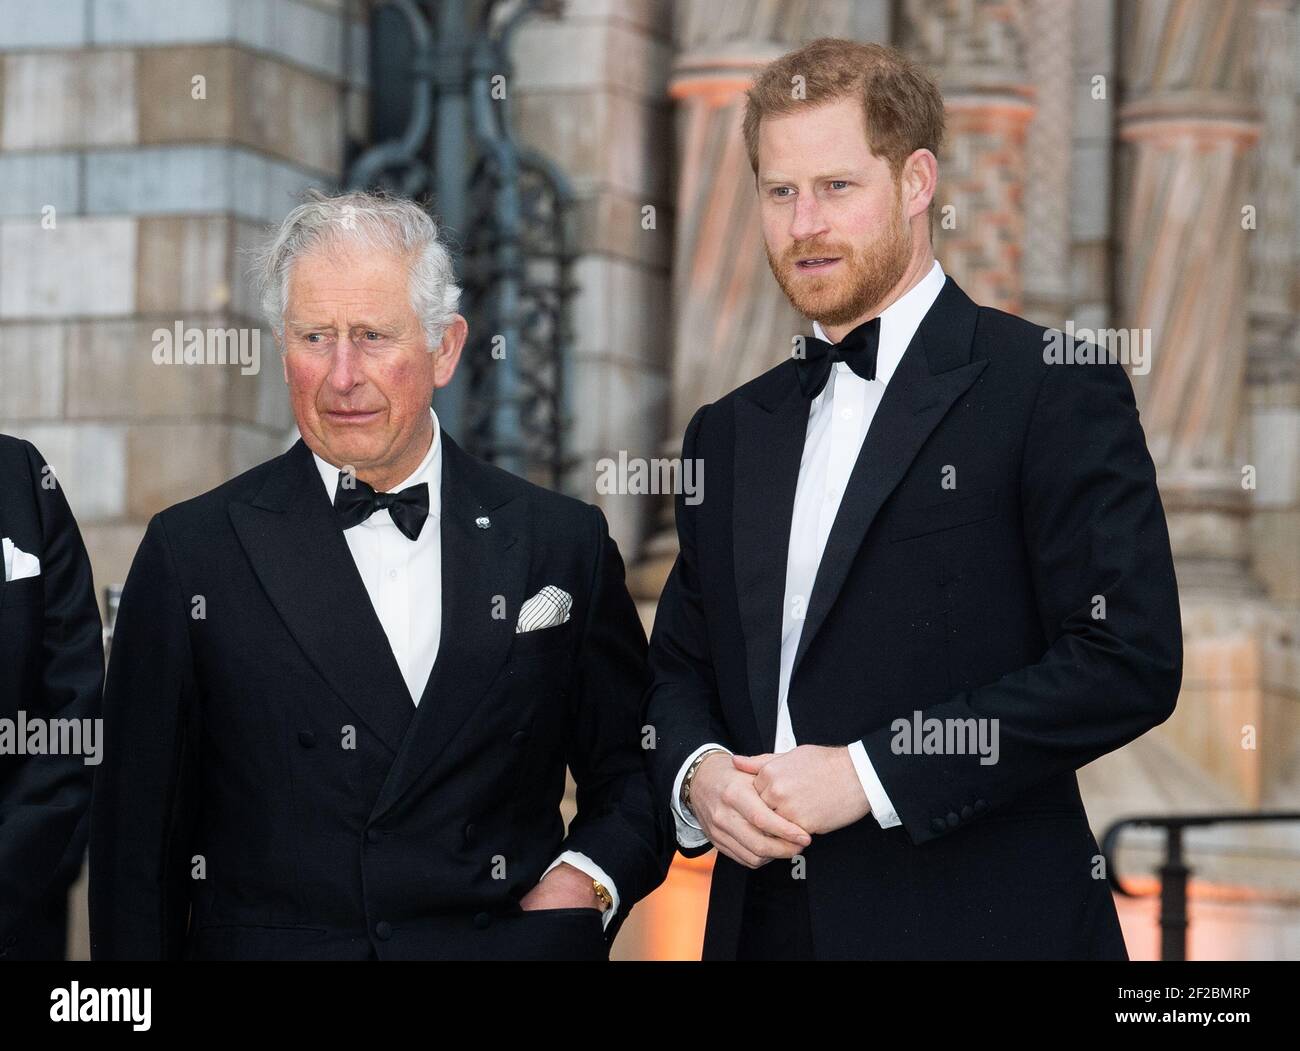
(546, 609)
(18, 563)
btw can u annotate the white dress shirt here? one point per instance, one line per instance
(403, 578)
(838, 419)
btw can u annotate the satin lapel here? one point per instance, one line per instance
(298, 552)
(477, 566)
(770, 430)
(934, 372)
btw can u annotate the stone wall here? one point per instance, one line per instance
(143, 148)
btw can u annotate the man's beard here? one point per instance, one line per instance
(865, 276)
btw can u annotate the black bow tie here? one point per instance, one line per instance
(408, 509)
(857, 350)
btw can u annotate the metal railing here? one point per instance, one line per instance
(1174, 873)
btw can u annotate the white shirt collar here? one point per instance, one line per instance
(430, 471)
(898, 322)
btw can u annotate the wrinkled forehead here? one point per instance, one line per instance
(348, 273)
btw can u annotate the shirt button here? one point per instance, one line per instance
(846, 414)
(392, 574)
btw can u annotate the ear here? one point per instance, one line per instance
(920, 179)
(284, 358)
(446, 356)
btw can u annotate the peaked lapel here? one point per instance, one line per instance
(771, 425)
(293, 540)
(477, 565)
(935, 370)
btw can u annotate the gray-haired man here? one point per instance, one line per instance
(358, 751)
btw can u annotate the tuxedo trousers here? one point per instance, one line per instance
(775, 923)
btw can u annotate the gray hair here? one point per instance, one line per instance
(374, 220)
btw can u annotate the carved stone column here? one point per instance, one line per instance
(1049, 161)
(1195, 205)
(1273, 365)
(976, 50)
(729, 319)
(1187, 120)
(1273, 397)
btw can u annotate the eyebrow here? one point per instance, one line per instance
(300, 326)
(843, 173)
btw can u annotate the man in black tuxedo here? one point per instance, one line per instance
(930, 578)
(345, 685)
(51, 677)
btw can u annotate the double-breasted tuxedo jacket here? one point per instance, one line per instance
(977, 602)
(270, 791)
(51, 668)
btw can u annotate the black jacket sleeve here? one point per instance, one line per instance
(142, 811)
(1103, 577)
(682, 705)
(43, 798)
(617, 824)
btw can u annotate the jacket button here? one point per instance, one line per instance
(306, 738)
(967, 813)
(980, 806)
(519, 737)
(953, 820)
(482, 921)
(373, 835)
(938, 825)
(470, 832)
(383, 930)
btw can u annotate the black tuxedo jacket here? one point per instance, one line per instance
(270, 790)
(51, 667)
(977, 601)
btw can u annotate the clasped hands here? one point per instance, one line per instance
(755, 808)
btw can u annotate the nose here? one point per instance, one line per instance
(344, 374)
(808, 221)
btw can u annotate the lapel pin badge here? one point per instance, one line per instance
(483, 521)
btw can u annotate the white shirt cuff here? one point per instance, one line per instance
(580, 861)
(881, 808)
(689, 832)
